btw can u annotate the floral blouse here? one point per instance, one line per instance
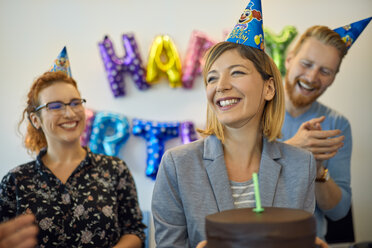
(94, 208)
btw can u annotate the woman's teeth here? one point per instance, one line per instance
(69, 125)
(225, 103)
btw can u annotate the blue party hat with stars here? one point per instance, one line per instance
(248, 31)
(349, 33)
(62, 63)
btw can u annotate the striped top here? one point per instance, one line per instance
(243, 194)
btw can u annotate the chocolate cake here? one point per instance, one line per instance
(273, 228)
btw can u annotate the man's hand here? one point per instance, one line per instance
(320, 243)
(322, 143)
(201, 244)
(19, 232)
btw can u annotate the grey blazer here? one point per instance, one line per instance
(192, 183)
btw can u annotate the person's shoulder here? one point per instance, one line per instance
(191, 148)
(290, 152)
(289, 148)
(297, 162)
(331, 113)
(27, 169)
(190, 154)
(24, 167)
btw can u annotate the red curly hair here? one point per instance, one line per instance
(34, 139)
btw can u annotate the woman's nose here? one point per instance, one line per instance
(223, 84)
(69, 111)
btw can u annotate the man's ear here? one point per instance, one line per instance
(34, 120)
(288, 59)
(269, 89)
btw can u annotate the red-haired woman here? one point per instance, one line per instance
(79, 199)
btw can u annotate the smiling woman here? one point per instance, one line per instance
(59, 123)
(249, 75)
(244, 118)
(236, 93)
(35, 138)
(78, 199)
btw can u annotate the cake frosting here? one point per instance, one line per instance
(273, 228)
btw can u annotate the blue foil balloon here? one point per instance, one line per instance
(155, 134)
(109, 132)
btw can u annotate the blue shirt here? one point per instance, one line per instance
(338, 166)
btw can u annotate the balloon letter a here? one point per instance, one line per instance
(164, 58)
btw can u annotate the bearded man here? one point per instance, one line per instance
(311, 68)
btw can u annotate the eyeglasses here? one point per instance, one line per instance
(57, 106)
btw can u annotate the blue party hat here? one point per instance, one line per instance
(350, 33)
(62, 63)
(248, 30)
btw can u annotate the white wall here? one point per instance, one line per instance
(32, 33)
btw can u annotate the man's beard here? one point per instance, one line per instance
(298, 101)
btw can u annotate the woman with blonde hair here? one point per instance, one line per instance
(244, 118)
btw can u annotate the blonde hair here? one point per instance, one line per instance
(273, 113)
(326, 36)
(34, 139)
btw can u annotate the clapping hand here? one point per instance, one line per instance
(322, 143)
(20, 232)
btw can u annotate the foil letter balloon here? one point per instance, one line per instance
(89, 118)
(130, 63)
(156, 134)
(188, 133)
(164, 59)
(276, 45)
(198, 45)
(109, 132)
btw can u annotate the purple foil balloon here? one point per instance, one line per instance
(188, 133)
(89, 119)
(116, 67)
(156, 134)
